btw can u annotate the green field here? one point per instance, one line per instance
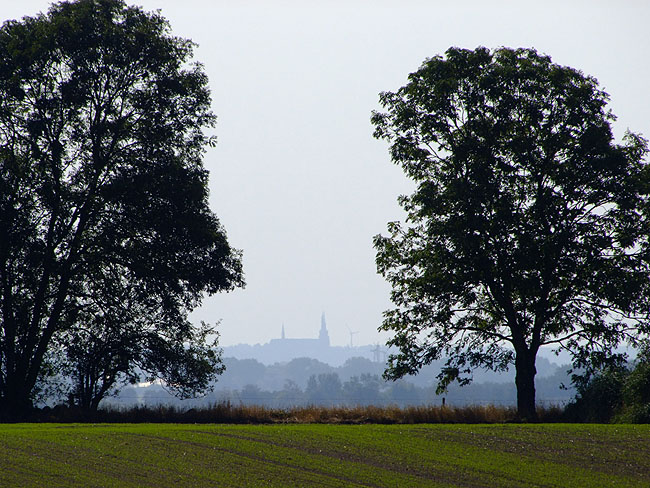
(160, 455)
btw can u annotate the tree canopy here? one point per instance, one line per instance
(103, 193)
(529, 223)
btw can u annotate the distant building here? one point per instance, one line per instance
(285, 349)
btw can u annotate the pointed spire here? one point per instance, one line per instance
(283, 331)
(324, 335)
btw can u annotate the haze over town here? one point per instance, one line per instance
(297, 179)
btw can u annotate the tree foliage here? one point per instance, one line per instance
(528, 226)
(619, 393)
(103, 194)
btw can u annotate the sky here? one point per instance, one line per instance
(297, 179)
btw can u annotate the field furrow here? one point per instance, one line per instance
(469, 456)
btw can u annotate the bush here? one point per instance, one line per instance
(636, 393)
(599, 398)
(616, 394)
(227, 412)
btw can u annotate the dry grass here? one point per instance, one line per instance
(226, 412)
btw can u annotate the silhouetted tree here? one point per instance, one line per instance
(598, 397)
(403, 393)
(101, 358)
(102, 118)
(290, 395)
(254, 395)
(363, 390)
(636, 391)
(528, 226)
(324, 389)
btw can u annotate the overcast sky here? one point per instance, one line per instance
(297, 179)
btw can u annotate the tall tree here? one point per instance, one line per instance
(528, 226)
(102, 119)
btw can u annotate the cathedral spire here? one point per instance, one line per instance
(323, 335)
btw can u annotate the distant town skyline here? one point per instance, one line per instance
(315, 345)
(297, 179)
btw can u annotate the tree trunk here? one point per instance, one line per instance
(17, 403)
(525, 382)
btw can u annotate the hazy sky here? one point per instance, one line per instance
(297, 179)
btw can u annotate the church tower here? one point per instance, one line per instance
(323, 336)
